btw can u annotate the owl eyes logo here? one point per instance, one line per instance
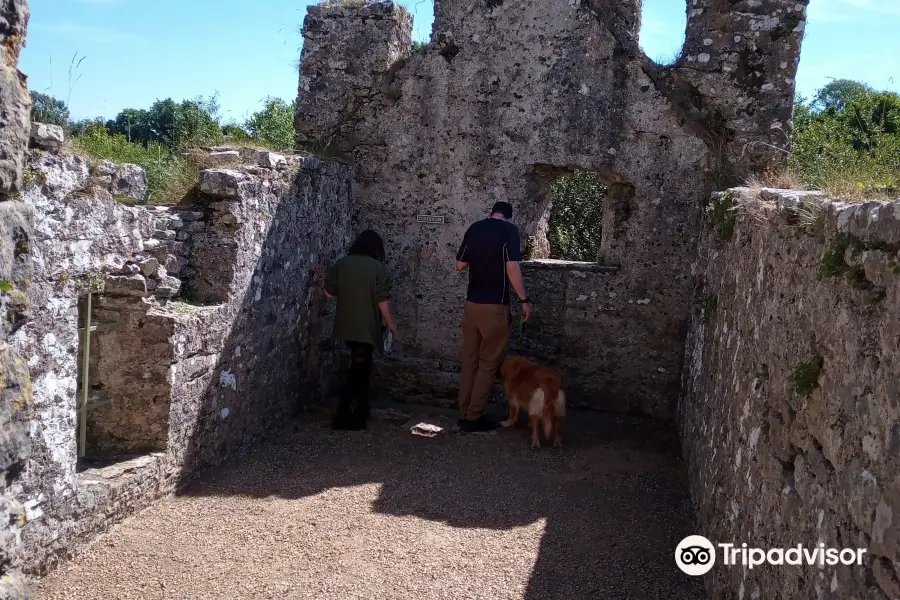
(695, 555)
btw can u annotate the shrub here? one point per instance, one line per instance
(274, 124)
(169, 177)
(847, 142)
(576, 216)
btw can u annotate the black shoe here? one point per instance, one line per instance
(479, 425)
(358, 422)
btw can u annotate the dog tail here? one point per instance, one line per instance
(551, 383)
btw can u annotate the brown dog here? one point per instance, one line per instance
(538, 390)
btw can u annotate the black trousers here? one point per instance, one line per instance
(356, 386)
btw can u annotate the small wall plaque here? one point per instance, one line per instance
(433, 219)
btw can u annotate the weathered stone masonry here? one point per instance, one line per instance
(790, 412)
(509, 95)
(210, 330)
(15, 276)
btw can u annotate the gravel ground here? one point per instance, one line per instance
(386, 514)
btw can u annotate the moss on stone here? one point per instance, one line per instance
(92, 282)
(28, 176)
(722, 213)
(805, 377)
(708, 306)
(856, 277)
(832, 263)
(6, 286)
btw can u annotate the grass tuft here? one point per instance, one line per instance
(722, 212)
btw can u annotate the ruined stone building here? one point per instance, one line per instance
(764, 324)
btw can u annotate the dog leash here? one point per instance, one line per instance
(521, 332)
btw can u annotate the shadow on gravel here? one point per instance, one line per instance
(614, 499)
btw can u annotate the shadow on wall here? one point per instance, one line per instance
(614, 500)
(276, 356)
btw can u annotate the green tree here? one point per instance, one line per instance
(176, 125)
(576, 216)
(870, 117)
(47, 109)
(196, 123)
(274, 124)
(135, 125)
(838, 93)
(235, 133)
(846, 141)
(82, 127)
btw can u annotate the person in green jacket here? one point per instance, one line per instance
(361, 284)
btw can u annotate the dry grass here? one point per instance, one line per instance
(844, 185)
(782, 179)
(346, 3)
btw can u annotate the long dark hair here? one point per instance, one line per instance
(368, 244)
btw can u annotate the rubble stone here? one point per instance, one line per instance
(47, 137)
(221, 183)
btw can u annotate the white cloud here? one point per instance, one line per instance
(90, 33)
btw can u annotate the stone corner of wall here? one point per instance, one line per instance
(873, 221)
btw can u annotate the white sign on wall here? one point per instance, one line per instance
(433, 219)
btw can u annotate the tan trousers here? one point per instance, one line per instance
(485, 329)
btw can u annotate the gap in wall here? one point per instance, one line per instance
(663, 30)
(576, 216)
(119, 427)
(564, 213)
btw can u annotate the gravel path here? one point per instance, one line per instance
(386, 514)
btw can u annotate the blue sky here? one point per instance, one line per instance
(136, 51)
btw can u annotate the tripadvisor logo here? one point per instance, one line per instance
(696, 555)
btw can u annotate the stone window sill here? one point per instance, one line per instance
(568, 265)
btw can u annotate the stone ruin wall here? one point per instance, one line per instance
(15, 277)
(506, 97)
(790, 411)
(210, 328)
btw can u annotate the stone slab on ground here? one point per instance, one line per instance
(385, 514)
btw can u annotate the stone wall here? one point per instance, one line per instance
(178, 379)
(508, 96)
(15, 276)
(790, 415)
